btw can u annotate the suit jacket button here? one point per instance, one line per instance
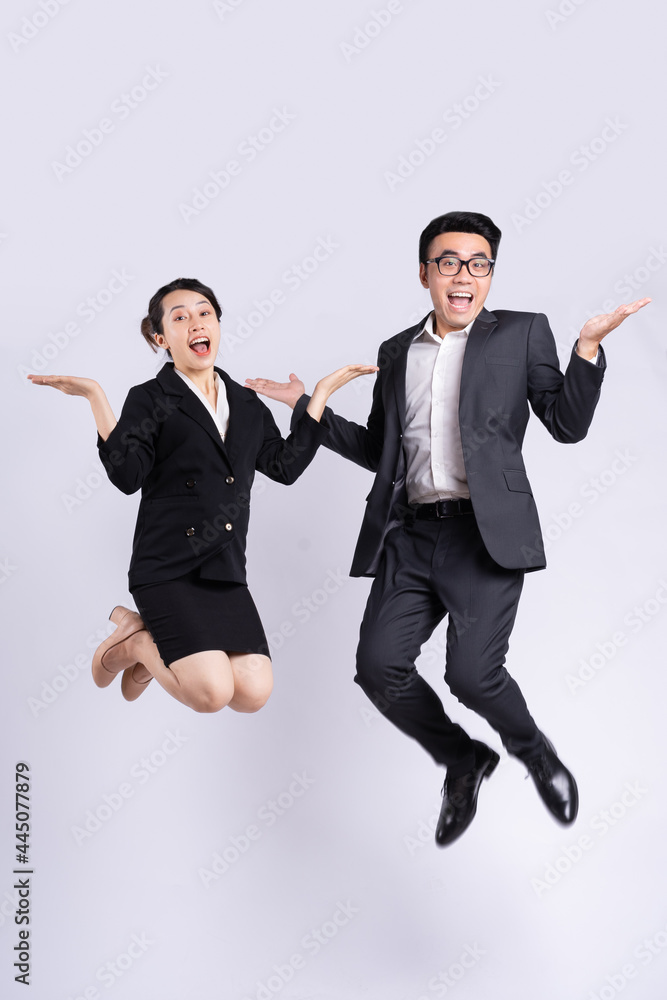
(190, 483)
(228, 527)
(189, 532)
(229, 480)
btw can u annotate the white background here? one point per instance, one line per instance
(537, 910)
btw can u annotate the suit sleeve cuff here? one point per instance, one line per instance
(599, 361)
(299, 409)
(319, 428)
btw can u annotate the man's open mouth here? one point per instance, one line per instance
(200, 345)
(460, 300)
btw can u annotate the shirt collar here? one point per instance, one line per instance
(427, 332)
(197, 390)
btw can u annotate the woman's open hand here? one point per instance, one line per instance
(71, 385)
(290, 392)
(284, 392)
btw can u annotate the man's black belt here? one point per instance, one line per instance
(441, 508)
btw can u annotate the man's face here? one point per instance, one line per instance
(457, 299)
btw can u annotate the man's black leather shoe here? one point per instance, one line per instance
(555, 784)
(459, 796)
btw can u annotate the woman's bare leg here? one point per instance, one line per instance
(205, 682)
(253, 681)
(202, 681)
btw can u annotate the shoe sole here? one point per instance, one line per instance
(494, 760)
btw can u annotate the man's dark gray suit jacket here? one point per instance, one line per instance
(510, 361)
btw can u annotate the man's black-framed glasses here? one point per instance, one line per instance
(478, 267)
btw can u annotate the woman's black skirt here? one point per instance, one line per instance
(189, 615)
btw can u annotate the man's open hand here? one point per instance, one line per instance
(597, 328)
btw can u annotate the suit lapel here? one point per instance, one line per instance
(189, 404)
(400, 366)
(479, 333)
(239, 400)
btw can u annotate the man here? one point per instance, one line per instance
(451, 525)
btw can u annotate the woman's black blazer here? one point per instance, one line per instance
(195, 489)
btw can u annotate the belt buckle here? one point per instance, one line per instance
(441, 508)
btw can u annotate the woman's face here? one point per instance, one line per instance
(190, 330)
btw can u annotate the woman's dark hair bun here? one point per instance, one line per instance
(148, 333)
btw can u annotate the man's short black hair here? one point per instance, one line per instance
(460, 222)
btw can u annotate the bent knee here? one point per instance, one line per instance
(251, 697)
(472, 689)
(209, 698)
(372, 669)
(256, 701)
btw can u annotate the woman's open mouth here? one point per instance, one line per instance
(200, 345)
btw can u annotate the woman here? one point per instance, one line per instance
(191, 439)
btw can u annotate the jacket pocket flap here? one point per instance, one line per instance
(517, 481)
